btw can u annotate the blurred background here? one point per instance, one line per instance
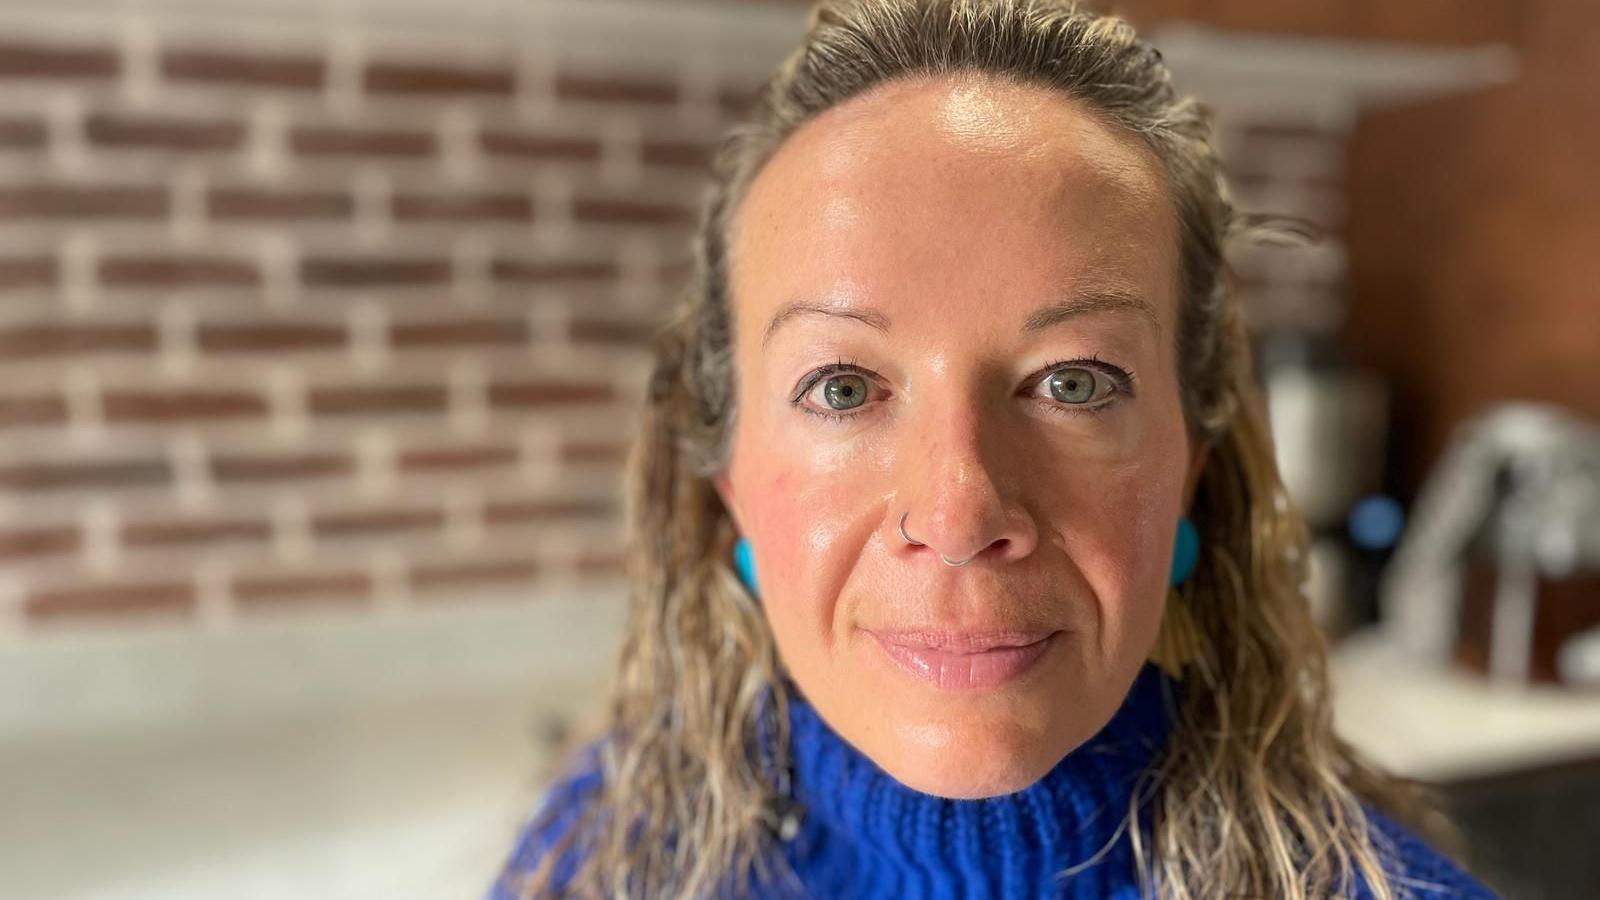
(322, 330)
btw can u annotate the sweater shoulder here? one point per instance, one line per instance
(554, 817)
(1417, 868)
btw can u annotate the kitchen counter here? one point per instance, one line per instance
(1443, 724)
(390, 759)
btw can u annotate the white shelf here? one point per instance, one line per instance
(1323, 81)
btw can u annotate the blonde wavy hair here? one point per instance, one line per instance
(1253, 794)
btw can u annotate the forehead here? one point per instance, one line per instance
(931, 190)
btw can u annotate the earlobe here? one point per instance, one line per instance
(724, 489)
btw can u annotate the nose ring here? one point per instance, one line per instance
(915, 543)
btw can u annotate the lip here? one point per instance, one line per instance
(964, 660)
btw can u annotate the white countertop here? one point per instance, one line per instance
(389, 759)
(1442, 725)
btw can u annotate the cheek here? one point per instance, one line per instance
(806, 528)
(1117, 526)
(1109, 522)
(780, 523)
(800, 517)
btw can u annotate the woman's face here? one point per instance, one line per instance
(956, 299)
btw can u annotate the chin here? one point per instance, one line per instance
(969, 760)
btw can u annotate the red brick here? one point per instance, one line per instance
(243, 69)
(439, 576)
(509, 512)
(601, 89)
(337, 141)
(367, 523)
(22, 134)
(454, 458)
(593, 451)
(458, 207)
(605, 331)
(22, 59)
(261, 337)
(268, 590)
(232, 468)
(460, 332)
(195, 532)
(523, 145)
(58, 201)
(27, 272)
(180, 405)
(23, 543)
(672, 272)
(35, 341)
(628, 212)
(129, 130)
(423, 79)
(251, 204)
(32, 410)
(367, 273)
(738, 102)
(99, 474)
(377, 399)
(116, 598)
(529, 271)
(673, 153)
(524, 394)
(177, 271)
(601, 562)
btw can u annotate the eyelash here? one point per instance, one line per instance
(1122, 380)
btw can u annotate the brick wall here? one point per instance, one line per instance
(336, 317)
(1476, 223)
(349, 314)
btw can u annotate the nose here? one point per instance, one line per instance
(959, 490)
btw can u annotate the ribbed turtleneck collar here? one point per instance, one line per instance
(864, 834)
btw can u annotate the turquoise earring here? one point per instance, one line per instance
(744, 562)
(1185, 552)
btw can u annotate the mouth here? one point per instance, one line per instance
(965, 660)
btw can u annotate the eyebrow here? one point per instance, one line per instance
(1083, 303)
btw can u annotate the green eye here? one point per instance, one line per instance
(1075, 385)
(845, 391)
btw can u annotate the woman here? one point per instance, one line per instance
(961, 564)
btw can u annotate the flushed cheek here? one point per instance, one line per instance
(769, 500)
(780, 566)
(805, 526)
(807, 613)
(814, 488)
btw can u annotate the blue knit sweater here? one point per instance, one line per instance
(863, 834)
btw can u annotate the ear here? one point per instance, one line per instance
(1197, 465)
(724, 489)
